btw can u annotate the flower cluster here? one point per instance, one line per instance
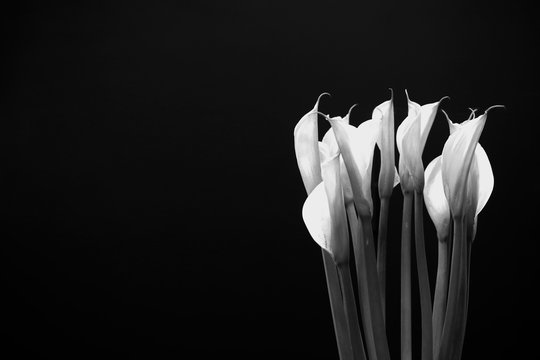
(338, 211)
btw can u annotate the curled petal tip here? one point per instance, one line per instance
(493, 107)
(445, 114)
(473, 111)
(320, 96)
(444, 97)
(392, 93)
(352, 107)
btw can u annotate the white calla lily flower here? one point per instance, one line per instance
(324, 209)
(435, 200)
(388, 174)
(357, 145)
(459, 182)
(306, 134)
(411, 138)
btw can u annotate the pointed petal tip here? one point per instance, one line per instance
(407, 93)
(443, 98)
(473, 112)
(447, 117)
(493, 107)
(320, 96)
(350, 109)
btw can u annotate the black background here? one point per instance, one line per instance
(150, 195)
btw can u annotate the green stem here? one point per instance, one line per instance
(423, 278)
(349, 303)
(454, 327)
(336, 305)
(361, 273)
(406, 306)
(381, 250)
(374, 291)
(441, 291)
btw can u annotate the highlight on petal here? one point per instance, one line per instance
(479, 187)
(404, 129)
(307, 149)
(339, 239)
(316, 215)
(411, 169)
(427, 115)
(485, 178)
(435, 199)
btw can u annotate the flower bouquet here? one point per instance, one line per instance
(338, 212)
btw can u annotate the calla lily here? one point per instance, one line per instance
(463, 174)
(306, 134)
(388, 175)
(324, 209)
(411, 138)
(330, 140)
(357, 145)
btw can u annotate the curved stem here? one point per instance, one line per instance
(406, 306)
(423, 278)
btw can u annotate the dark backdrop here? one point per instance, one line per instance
(150, 195)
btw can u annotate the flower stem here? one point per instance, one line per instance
(336, 305)
(381, 250)
(454, 325)
(361, 273)
(349, 302)
(406, 306)
(441, 291)
(423, 278)
(374, 292)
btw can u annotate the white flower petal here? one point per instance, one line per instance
(307, 150)
(436, 202)
(316, 215)
(486, 180)
(411, 169)
(427, 115)
(357, 146)
(457, 157)
(339, 240)
(385, 114)
(330, 140)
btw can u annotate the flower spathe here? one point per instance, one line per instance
(357, 145)
(307, 149)
(411, 138)
(324, 209)
(388, 175)
(323, 175)
(460, 181)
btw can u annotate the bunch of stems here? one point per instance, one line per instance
(362, 334)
